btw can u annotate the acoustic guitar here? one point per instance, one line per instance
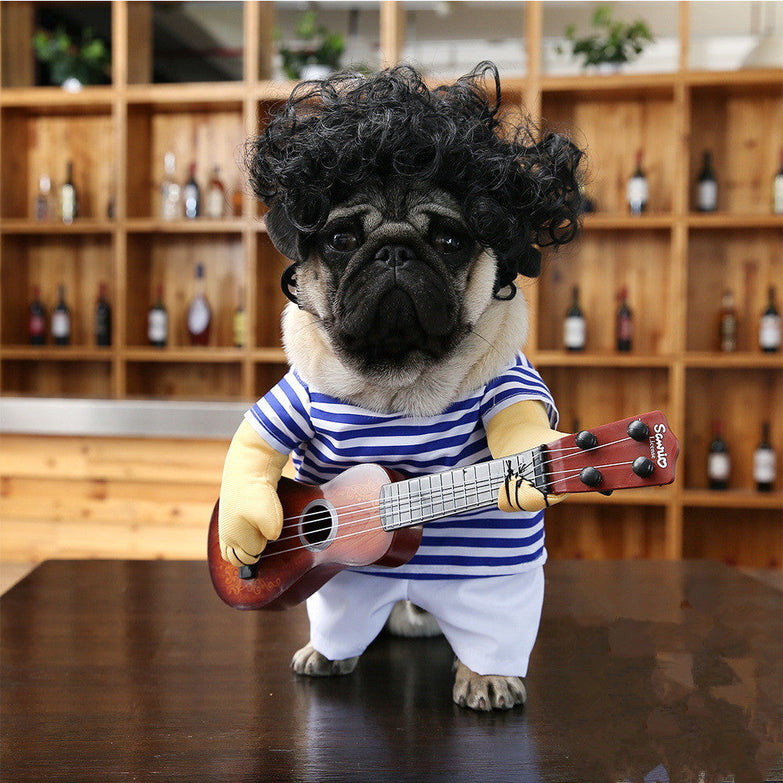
(370, 515)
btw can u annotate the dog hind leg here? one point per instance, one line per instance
(485, 692)
(407, 619)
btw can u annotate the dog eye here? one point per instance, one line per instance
(447, 243)
(344, 241)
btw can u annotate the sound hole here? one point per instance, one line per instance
(318, 525)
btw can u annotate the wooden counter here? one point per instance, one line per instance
(118, 670)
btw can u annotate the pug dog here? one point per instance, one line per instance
(407, 214)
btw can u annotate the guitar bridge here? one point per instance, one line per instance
(540, 476)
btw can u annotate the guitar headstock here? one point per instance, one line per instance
(640, 451)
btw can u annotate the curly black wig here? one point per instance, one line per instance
(516, 193)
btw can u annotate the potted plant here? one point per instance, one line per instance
(70, 64)
(316, 52)
(614, 43)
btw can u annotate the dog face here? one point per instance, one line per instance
(407, 210)
(388, 275)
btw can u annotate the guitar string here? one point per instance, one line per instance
(575, 451)
(481, 486)
(376, 505)
(413, 499)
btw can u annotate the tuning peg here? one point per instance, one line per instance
(643, 467)
(586, 440)
(638, 430)
(591, 476)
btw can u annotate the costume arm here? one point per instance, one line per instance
(249, 512)
(522, 426)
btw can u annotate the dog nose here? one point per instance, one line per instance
(395, 256)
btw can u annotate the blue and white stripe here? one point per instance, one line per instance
(327, 436)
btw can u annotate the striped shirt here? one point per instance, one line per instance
(327, 436)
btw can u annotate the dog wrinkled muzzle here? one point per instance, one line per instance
(395, 305)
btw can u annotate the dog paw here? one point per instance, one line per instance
(310, 662)
(407, 619)
(485, 692)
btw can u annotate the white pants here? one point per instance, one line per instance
(491, 623)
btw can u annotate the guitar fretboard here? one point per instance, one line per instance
(439, 495)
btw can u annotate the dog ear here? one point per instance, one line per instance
(284, 235)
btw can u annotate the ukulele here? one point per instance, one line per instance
(371, 515)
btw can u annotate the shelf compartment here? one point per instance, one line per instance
(265, 376)
(197, 379)
(20, 20)
(171, 260)
(38, 141)
(598, 532)
(80, 262)
(742, 126)
(173, 43)
(747, 262)
(209, 135)
(598, 395)
(601, 264)
(752, 540)
(614, 126)
(742, 398)
(65, 375)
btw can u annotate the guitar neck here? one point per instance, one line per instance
(438, 495)
(640, 451)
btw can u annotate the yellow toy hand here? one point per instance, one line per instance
(250, 513)
(522, 426)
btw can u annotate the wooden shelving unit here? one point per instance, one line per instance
(674, 261)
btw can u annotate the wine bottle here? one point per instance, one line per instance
(728, 323)
(574, 326)
(764, 462)
(36, 322)
(199, 312)
(69, 201)
(158, 321)
(61, 320)
(718, 459)
(624, 322)
(777, 188)
(43, 201)
(638, 189)
(769, 326)
(170, 193)
(240, 322)
(102, 318)
(191, 195)
(236, 201)
(215, 201)
(707, 186)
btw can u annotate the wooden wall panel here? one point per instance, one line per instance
(106, 497)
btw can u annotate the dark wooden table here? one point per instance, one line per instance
(115, 671)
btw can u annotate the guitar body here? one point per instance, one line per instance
(316, 541)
